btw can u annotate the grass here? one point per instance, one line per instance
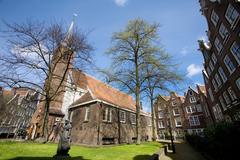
(37, 151)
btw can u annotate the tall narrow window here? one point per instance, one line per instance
(227, 99)
(230, 66)
(214, 85)
(222, 103)
(211, 65)
(214, 58)
(232, 94)
(107, 114)
(210, 94)
(133, 118)
(218, 80)
(122, 116)
(161, 124)
(222, 74)
(218, 45)
(223, 31)
(214, 18)
(231, 14)
(87, 113)
(235, 49)
(238, 83)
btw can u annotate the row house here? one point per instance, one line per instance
(17, 107)
(182, 114)
(222, 58)
(169, 113)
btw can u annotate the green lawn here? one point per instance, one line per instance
(36, 151)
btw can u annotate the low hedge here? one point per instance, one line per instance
(221, 141)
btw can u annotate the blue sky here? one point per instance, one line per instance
(181, 24)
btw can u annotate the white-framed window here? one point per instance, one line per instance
(214, 58)
(230, 66)
(214, 18)
(211, 65)
(231, 14)
(210, 94)
(235, 49)
(218, 80)
(232, 94)
(192, 99)
(217, 112)
(178, 122)
(122, 116)
(238, 83)
(218, 45)
(223, 31)
(191, 109)
(199, 108)
(87, 114)
(222, 103)
(194, 120)
(222, 74)
(208, 71)
(160, 114)
(176, 112)
(225, 96)
(107, 115)
(214, 85)
(133, 118)
(174, 103)
(161, 124)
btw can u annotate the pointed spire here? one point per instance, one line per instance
(70, 30)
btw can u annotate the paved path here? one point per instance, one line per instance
(183, 152)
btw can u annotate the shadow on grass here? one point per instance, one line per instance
(46, 158)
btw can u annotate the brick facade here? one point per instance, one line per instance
(222, 58)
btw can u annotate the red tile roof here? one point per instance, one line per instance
(101, 91)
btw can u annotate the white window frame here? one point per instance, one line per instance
(235, 49)
(222, 103)
(222, 74)
(214, 58)
(108, 115)
(133, 116)
(160, 114)
(232, 93)
(210, 94)
(218, 45)
(228, 63)
(87, 113)
(211, 65)
(178, 121)
(214, 18)
(192, 99)
(214, 84)
(226, 98)
(223, 32)
(174, 113)
(124, 116)
(238, 83)
(188, 109)
(194, 120)
(161, 124)
(218, 80)
(231, 15)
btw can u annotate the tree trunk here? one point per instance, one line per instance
(45, 120)
(138, 120)
(153, 121)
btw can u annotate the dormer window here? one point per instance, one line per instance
(192, 99)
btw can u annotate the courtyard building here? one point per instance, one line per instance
(16, 109)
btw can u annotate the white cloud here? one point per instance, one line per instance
(184, 51)
(120, 3)
(193, 70)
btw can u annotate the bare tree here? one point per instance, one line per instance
(39, 57)
(161, 74)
